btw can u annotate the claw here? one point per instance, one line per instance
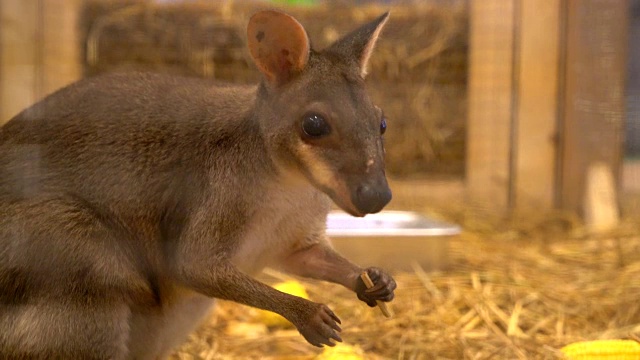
(331, 322)
(336, 337)
(322, 327)
(334, 317)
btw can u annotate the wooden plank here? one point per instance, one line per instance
(537, 104)
(19, 43)
(490, 103)
(594, 103)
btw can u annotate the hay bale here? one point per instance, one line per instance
(417, 74)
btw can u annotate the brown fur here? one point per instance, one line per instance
(129, 201)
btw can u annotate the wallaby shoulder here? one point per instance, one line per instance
(134, 136)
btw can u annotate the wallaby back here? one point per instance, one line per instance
(129, 201)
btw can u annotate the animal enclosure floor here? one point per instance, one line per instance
(518, 289)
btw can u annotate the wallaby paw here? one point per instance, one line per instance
(321, 328)
(383, 287)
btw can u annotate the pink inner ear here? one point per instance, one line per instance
(285, 66)
(278, 45)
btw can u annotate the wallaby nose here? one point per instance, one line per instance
(371, 199)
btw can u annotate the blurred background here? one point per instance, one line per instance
(518, 120)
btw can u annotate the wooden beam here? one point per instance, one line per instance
(535, 143)
(489, 125)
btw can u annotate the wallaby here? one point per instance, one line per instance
(129, 201)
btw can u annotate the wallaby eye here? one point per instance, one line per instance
(315, 126)
(383, 125)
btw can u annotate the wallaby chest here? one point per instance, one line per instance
(287, 219)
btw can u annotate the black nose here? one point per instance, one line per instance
(370, 199)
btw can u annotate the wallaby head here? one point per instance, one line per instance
(315, 114)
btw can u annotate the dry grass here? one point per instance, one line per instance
(417, 74)
(518, 289)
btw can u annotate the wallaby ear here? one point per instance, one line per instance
(360, 43)
(278, 44)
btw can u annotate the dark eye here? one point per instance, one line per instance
(383, 125)
(315, 126)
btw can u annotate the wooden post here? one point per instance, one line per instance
(536, 121)
(513, 102)
(39, 51)
(594, 104)
(491, 84)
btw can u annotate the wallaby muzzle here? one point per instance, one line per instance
(370, 198)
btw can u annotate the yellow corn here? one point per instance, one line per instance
(603, 350)
(271, 319)
(341, 352)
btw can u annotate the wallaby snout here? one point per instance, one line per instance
(371, 198)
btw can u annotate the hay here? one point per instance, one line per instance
(518, 289)
(417, 74)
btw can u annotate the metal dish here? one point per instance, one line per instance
(392, 239)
